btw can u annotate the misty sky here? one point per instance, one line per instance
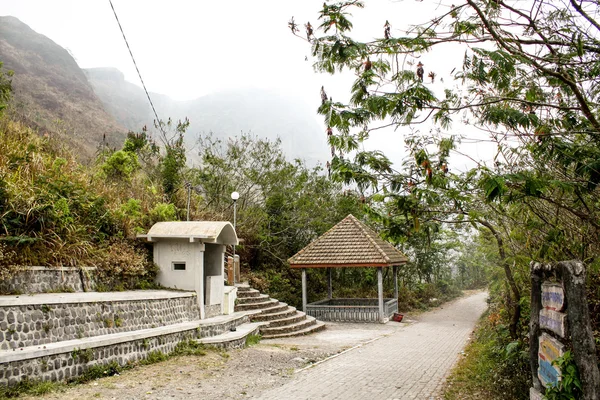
(186, 49)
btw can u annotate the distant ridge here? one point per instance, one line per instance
(228, 113)
(84, 106)
(52, 92)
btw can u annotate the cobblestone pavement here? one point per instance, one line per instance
(410, 363)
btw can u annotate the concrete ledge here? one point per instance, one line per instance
(224, 319)
(37, 268)
(26, 353)
(240, 333)
(90, 297)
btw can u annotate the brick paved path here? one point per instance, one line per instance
(412, 363)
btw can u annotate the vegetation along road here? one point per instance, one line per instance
(392, 361)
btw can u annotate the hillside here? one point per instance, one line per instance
(261, 112)
(51, 91)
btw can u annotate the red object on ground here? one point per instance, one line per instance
(397, 317)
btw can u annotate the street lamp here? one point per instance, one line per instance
(234, 196)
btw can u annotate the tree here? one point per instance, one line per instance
(532, 80)
(5, 87)
(173, 160)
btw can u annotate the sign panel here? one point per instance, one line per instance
(535, 395)
(553, 296)
(550, 349)
(553, 321)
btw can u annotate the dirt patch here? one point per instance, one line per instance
(216, 375)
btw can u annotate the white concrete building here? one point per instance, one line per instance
(191, 257)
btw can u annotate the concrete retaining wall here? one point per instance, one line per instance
(44, 280)
(68, 366)
(38, 324)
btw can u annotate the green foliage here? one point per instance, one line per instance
(120, 165)
(98, 371)
(5, 87)
(154, 357)
(172, 162)
(569, 386)
(163, 212)
(252, 340)
(189, 348)
(493, 367)
(28, 387)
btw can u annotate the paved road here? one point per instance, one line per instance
(411, 363)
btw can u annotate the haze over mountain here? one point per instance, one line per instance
(53, 93)
(261, 112)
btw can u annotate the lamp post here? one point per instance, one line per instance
(234, 196)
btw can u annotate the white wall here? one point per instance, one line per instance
(213, 271)
(168, 251)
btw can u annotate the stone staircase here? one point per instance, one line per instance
(276, 319)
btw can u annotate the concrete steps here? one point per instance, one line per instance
(248, 293)
(280, 312)
(232, 339)
(257, 305)
(276, 319)
(318, 326)
(282, 320)
(253, 299)
(304, 323)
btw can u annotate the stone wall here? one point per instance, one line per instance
(68, 366)
(212, 311)
(44, 280)
(219, 328)
(32, 325)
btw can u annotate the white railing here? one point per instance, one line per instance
(351, 310)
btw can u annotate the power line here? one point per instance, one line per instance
(158, 122)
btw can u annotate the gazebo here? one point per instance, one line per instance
(349, 244)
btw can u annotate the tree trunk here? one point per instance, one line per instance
(515, 303)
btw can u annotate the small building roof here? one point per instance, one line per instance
(221, 232)
(350, 243)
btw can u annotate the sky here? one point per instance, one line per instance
(186, 49)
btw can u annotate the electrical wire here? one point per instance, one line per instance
(158, 121)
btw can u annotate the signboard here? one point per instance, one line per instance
(535, 395)
(553, 296)
(550, 349)
(553, 321)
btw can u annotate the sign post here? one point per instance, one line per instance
(559, 312)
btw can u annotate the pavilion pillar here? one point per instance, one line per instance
(329, 286)
(380, 293)
(396, 282)
(304, 302)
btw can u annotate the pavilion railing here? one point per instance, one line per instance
(351, 310)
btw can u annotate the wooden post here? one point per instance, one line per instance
(304, 302)
(236, 266)
(396, 282)
(230, 272)
(330, 286)
(380, 293)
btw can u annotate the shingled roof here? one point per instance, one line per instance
(350, 243)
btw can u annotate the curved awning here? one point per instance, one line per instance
(220, 232)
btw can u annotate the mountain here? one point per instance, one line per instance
(52, 92)
(262, 112)
(86, 106)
